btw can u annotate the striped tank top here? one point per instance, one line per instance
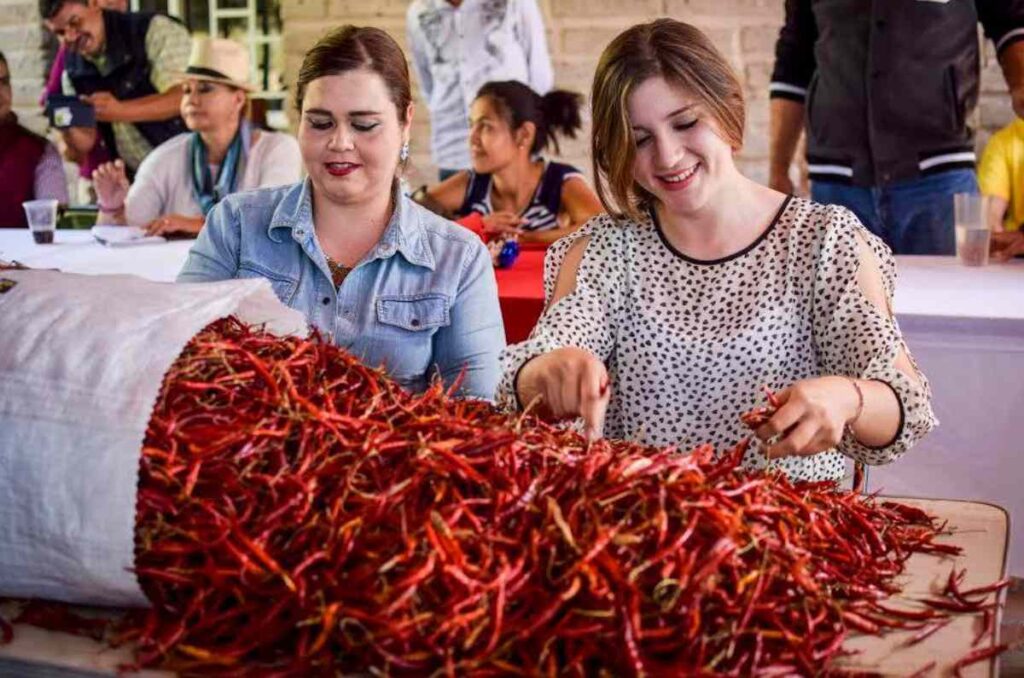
(541, 213)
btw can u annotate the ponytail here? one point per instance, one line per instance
(557, 112)
(561, 114)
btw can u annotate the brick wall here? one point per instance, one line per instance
(22, 41)
(578, 30)
(745, 30)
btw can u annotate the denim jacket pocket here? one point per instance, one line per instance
(284, 287)
(414, 312)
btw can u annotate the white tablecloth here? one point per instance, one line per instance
(965, 327)
(78, 252)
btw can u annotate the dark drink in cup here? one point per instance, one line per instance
(42, 219)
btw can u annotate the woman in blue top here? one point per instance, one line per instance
(376, 273)
(511, 189)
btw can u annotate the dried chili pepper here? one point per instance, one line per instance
(979, 656)
(300, 514)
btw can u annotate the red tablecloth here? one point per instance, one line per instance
(521, 293)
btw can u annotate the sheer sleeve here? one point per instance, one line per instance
(855, 338)
(584, 318)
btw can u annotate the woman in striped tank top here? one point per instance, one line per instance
(511, 189)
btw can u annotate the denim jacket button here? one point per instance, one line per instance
(415, 322)
(327, 300)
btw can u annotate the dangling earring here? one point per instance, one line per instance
(403, 154)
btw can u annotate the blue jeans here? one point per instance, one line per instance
(913, 217)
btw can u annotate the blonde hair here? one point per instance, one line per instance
(685, 57)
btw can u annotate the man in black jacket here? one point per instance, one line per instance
(122, 64)
(886, 88)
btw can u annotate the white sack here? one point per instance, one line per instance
(82, 359)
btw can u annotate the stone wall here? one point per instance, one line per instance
(578, 30)
(745, 30)
(22, 40)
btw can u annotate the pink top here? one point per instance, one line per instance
(99, 153)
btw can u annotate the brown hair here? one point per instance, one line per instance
(349, 48)
(682, 55)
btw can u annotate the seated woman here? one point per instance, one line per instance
(666, 316)
(29, 164)
(511, 190)
(181, 180)
(376, 273)
(1000, 173)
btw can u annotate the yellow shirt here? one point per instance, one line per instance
(1001, 171)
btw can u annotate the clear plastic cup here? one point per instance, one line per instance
(973, 237)
(42, 219)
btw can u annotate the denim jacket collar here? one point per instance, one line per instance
(404, 233)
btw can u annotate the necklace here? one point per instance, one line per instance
(338, 271)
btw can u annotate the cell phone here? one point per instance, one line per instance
(69, 111)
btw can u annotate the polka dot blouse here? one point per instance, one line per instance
(689, 343)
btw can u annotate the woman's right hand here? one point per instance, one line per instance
(1007, 244)
(570, 382)
(111, 183)
(503, 223)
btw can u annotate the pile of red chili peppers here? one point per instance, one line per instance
(299, 514)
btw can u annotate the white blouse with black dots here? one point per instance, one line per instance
(688, 344)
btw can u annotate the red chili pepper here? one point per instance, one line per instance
(955, 605)
(986, 627)
(990, 588)
(860, 623)
(301, 514)
(979, 656)
(924, 670)
(926, 632)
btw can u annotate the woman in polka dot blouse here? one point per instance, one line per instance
(665, 316)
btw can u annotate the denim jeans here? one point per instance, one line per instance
(912, 217)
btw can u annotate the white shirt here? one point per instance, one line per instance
(456, 50)
(688, 344)
(163, 184)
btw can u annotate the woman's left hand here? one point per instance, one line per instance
(175, 224)
(811, 417)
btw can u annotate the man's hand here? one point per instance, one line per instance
(779, 180)
(108, 107)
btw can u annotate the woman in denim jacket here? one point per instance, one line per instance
(379, 275)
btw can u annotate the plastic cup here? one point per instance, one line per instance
(973, 237)
(42, 219)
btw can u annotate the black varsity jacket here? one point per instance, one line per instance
(888, 84)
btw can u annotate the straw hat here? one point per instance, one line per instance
(218, 60)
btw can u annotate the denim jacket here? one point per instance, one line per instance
(423, 301)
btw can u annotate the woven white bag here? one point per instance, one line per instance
(82, 359)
